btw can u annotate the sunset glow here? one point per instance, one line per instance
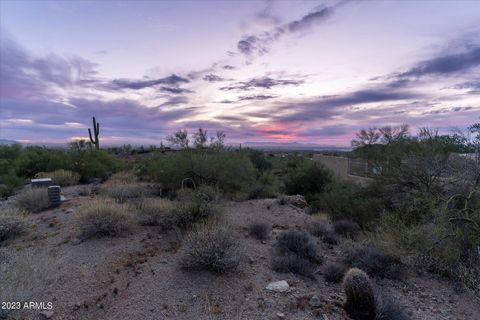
(262, 71)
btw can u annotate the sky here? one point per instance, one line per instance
(309, 72)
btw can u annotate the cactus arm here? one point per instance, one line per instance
(90, 134)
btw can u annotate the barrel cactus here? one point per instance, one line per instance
(360, 304)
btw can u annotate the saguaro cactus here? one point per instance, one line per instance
(96, 132)
(360, 304)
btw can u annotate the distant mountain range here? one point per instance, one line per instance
(249, 144)
(6, 141)
(293, 146)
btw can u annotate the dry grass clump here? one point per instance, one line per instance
(33, 200)
(297, 254)
(155, 212)
(299, 243)
(334, 272)
(197, 210)
(347, 228)
(373, 261)
(125, 191)
(259, 230)
(61, 177)
(293, 263)
(12, 222)
(123, 177)
(102, 217)
(212, 248)
(386, 308)
(325, 231)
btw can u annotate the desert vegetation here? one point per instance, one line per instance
(212, 211)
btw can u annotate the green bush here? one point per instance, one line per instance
(94, 164)
(9, 182)
(259, 160)
(8, 158)
(264, 187)
(306, 177)
(351, 202)
(198, 210)
(230, 171)
(33, 160)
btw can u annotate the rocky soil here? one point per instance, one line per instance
(137, 276)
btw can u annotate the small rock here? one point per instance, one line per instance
(278, 286)
(69, 211)
(280, 315)
(315, 302)
(46, 314)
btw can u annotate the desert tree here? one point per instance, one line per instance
(180, 139)
(200, 138)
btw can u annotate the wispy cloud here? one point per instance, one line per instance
(141, 84)
(258, 44)
(446, 64)
(264, 82)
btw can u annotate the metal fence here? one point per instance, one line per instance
(360, 167)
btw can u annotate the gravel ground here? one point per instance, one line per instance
(137, 276)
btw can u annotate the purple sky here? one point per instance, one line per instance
(262, 71)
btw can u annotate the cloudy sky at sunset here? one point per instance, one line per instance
(262, 71)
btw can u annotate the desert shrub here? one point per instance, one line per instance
(84, 190)
(61, 177)
(373, 261)
(293, 263)
(306, 177)
(210, 193)
(264, 187)
(33, 200)
(324, 231)
(299, 243)
(94, 163)
(154, 211)
(123, 177)
(431, 247)
(40, 159)
(319, 229)
(212, 249)
(388, 309)
(259, 230)
(9, 182)
(334, 272)
(102, 217)
(230, 171)
(346, 228)
(12, 222)
(349, 201)
(9, 155)
(259, 160)
(188, 213)
(123, 192)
